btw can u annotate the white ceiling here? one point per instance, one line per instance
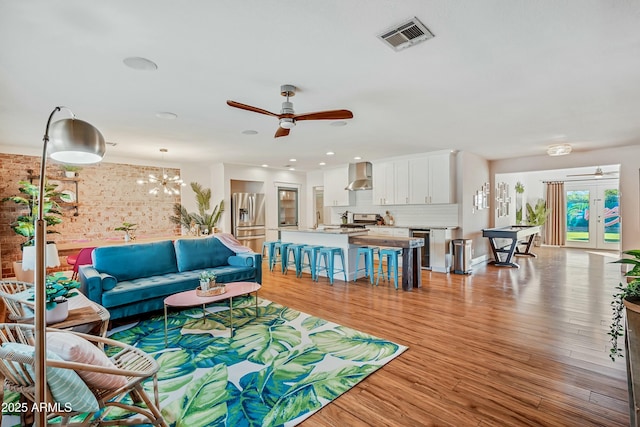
(502, 78)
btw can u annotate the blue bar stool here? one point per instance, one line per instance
(296, 251)
(329, 254)
(279, 253)
(311, 251)
(367, 252)
(392, 256)
(271, 249)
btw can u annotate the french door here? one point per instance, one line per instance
(593, 216)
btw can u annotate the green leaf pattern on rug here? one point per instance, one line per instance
(279, 367)
(350, 344)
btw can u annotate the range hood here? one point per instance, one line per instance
(360, 176)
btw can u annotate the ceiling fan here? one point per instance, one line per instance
(287, 117)
(597, 174)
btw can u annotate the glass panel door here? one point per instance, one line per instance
(593, 219)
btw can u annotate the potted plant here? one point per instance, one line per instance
(127, 227)
(626, 296)
(205, 221)
(207, 280)
(537, 216)
(70, 171)
(24, 224)
(58, 289)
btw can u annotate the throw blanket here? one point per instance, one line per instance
(231, 243)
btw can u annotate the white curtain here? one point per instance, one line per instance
(555, 231)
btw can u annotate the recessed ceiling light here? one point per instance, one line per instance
(338, 123)
(357, 158)
(249, 132)
(265, 165)
(166, 115)
(330, 153)
(292, 160)
(322, 163)
(139, 63)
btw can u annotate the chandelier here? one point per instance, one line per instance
(163, 183)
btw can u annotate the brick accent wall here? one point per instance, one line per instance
(108, 195)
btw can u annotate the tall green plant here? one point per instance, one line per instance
(202, 218)
(24, 224)
(537, 215)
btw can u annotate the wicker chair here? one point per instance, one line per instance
(131, 363)
(18, 309)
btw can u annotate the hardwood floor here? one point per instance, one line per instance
(501, 347)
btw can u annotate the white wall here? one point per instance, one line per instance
(629, 160)
(472, 171)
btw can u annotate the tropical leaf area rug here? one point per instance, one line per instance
(277, 370)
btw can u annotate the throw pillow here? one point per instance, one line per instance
(73, 348)
(108, 281)
(67, 388)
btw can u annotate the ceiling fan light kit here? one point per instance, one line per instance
(559, 149)
(287, 118)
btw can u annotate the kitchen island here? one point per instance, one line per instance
(350, 239)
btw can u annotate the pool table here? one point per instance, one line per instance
(513, 234)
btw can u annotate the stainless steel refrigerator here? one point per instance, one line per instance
(247, 219)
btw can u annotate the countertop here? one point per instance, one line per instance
(331, 230)
(410, 227)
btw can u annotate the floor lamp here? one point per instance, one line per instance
(72, 141)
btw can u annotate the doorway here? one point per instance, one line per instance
(318, 206)
(593, 214)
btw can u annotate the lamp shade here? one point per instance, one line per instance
(75, 141)
(29, 257)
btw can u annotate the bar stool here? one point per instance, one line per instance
(311, 251)
(329, 254)
(392, 256)
(271, 249)
(296, 251)
(279, 253)
(367, 252)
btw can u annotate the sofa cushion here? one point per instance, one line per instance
(194, 254)
(126, 262)
(147, 288)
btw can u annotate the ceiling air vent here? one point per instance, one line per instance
(406, 34)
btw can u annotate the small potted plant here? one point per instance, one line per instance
(537, 215)
(626, 296)
(127, 227)
(58, 289)
(70, 171)
(207, 279)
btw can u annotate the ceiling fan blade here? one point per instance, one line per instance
(325, 115)
(583, 174)
(281, 132)
(250, 108)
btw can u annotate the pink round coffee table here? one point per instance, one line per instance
(191, 299)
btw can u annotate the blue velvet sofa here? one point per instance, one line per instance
(132, 279)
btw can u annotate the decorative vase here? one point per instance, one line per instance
(58, 313)
(70, 174)
(204, 285)
(127, 236)
(22, 275)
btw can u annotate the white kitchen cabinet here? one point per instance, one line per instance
(383, 183)
(431, 179)
(391, 183)
(335, 181)
(401, 182)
